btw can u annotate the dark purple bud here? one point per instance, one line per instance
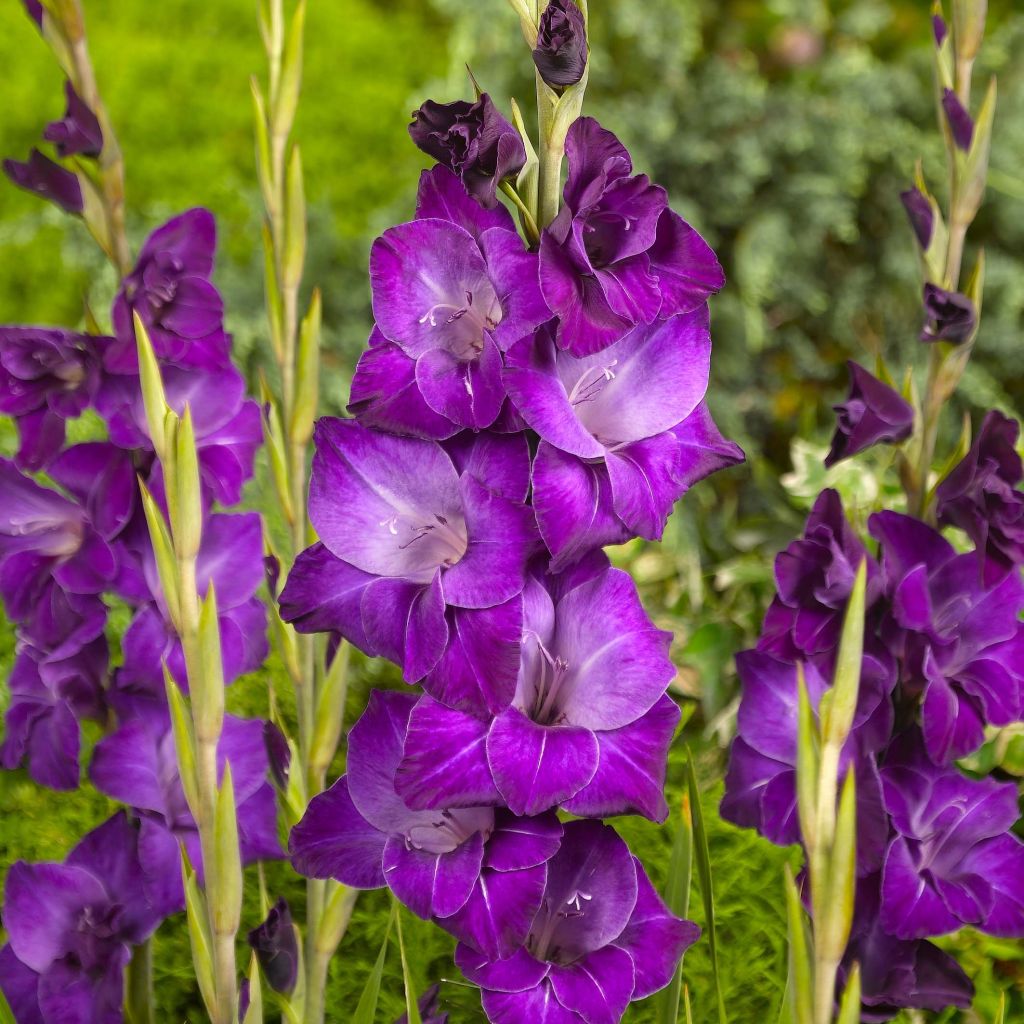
(922, 217)
(34, 9)
(949, 316)
(46, 179)
(244, 997)
(961, 124)
(471, 139)
(429, 1007)
(872, 413)
(561, 53)
(272, 572)
(279, 754)
(940, 29)
(78, 131)
(276, 948)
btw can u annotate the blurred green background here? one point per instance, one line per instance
(783, 129)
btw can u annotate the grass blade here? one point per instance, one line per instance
(677, 898)
(801, 977)
(367, 1008)
(412, 1010)
(703, 859)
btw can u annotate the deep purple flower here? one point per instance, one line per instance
(953, 860)
(276, 948)
(48, 180)
(588, 726)
(171, 291)
(47, 375)
(49, 696)
(959, 641)
(814, 577)
(982, 494)
(898, 973)
(452, 298)
(602, 938)
(624, 432)
(78, 132)
(71, 926)
(429, 1008)
(479, 871)
(961, 124)
(405, 537)
(137, 765)
(872, 413)
(616, 256)
(561, 51)
(921, 214)
(760, 786)
(473, 140)
(949, 316)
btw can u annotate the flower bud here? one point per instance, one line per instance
(279, 754)
(34, 9)
(873, 412)
(961, 124)
(276, 948)
(950, 316)
(922, 217)
(78, 132)
(939, 28)
(969, 24)
(48, 180)
(561, 51)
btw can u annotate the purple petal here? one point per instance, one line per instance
(501, 462)
(911, 908)
(538, 1005)
(514, 274)
(406, 623)
(518, 843)
(20, 986)
(517, 973)
(1001, 861)
(643, 483)
(598, 987)
(126, 766)
(687, 269)
(433, 884)
(442, 196)
(48, 180)
(595, 157)
(67, 993)
(467, 392)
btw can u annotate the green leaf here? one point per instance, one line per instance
(849, 1006)
(412, 1010)
(834, 932)
(287, 99)
(226, 892)
(677, 899)
(273, 439)
(186, 508)
(199, 934)
(807, 761)
(163, 553)
(800, 984)
(264, 166)
(330, 712)
(184, 740)
(837, 717)
(294, 257)
(152, 389)
(338, 905)
(6, 1013)
(367, 1008)
(208, 691)
(254, 1015)
(703, 859)
(686, 1004)
(307, 372)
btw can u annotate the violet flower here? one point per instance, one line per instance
(949, 316)
(616, 256)
(921, 214)
(473, 140)
(476, 870)
(561, 51)
(953, 859)
(589, 724)
(71, 926)
(624, 432)
(47, 375)
(48, 180)
(405, 537)
(276, 948)
(982, 495)
(960, 642)
(872, 413)
(78, 132)
(602, 938)
(452, 298)
(171, 291)
(137, 765)
(961, 124)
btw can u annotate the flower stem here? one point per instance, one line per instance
(139, 985)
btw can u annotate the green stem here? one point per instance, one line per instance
(549, 158)
(139, 985)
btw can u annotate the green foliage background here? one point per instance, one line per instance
(783, 129)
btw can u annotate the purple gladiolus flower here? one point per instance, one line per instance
(898, 973)
(982, 494)
(959, 641)
(452, 298)
(872, 413)
(953, 860)
(47, 375)
(406, 537)
(276, 948)
(961, 124)
(588, 726)
(429, 1008)
(601, 938)
(949, 316)
(48, 180)
(561, 51)
(921, 214)
(814, 577)
(78, 132)
(171, 291)
(137, 765)
(473, 140)
(616, 256)
(624, 432)
(478, 871)
(71, 926)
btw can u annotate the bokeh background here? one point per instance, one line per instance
(783, 129)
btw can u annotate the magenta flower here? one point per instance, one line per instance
(47, 376)
(873, 413)
(405, 537)
(78, 132)
(561, 51)
(48, 180)
(601, 938)
(616, 256)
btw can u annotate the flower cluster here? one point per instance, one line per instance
(69, 546)
(943, 660)
(516, 411)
